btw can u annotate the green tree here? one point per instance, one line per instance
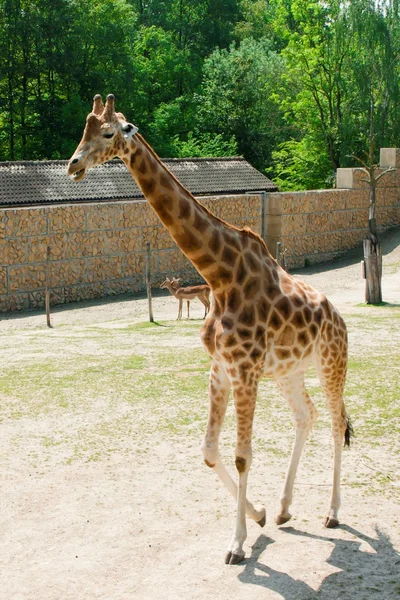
(340, 56)
(238, 98)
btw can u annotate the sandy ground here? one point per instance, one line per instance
(153, 523)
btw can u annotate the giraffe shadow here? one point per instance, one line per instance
(371, 573)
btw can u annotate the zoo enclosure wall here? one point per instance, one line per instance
(98, 249)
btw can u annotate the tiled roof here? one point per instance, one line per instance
(46, 182)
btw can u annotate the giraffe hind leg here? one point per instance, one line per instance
(332, 373)
(304, 414)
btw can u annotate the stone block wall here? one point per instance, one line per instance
(99, 249)
(96, 249)
(320, 225)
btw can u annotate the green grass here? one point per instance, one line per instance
(104, 390)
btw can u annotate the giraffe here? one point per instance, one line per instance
(263, 321)
(188, 293)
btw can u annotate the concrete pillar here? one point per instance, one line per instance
(273, 221)
(345, 179)
(389, 157)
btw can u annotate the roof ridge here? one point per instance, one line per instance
(46, 162)
(46, 182)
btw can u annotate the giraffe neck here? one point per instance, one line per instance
(210, 244)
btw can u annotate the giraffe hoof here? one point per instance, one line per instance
(281, 519)
(262, 521)
(330, 522)
(233, 558)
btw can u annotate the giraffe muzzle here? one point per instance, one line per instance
(75, 171)
(78, 175)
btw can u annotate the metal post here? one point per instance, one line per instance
(148, 281)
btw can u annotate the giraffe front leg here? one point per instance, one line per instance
(219, 393)
(245, 394)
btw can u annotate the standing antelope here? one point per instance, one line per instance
(202, 292)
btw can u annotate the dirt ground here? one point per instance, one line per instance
(147, 520)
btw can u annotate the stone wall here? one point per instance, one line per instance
(320, 225)
(96, 250)
(99, 249)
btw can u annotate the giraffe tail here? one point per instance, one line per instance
(349, 433)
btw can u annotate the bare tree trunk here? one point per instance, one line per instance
(373, 271)
(373, 254)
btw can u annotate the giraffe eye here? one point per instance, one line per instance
(108, 136)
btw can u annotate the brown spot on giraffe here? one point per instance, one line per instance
(234, 300)
(283, 307)
(287, 336)
(143, 166)
(303, 338)
(147, 185)
(251, 262)
(244, 333)
(298, 320)
(185, 209)
(262, 309)
(215, 242)
(282, 353)
(203, 262)
(166, 182)
(247, 316)
(228, 255)
(275, 321)
(272, 292)
(232, 238)
(200, 223)
(187, 240)
(251, 287)
(241, 272)
(219, 277)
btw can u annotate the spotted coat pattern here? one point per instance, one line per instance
(263, 321)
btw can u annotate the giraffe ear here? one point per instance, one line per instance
(129, 130)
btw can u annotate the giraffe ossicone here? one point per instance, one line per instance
(263, 321)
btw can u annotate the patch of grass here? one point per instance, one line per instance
(106, 387)
(387, 305)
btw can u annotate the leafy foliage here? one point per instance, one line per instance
(286, 83)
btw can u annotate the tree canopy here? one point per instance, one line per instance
(288, 84)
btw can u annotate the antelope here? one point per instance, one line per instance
(202, 292)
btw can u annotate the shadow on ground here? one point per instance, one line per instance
(389, 241)
(372, 574)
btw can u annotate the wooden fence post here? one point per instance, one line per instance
(47, 288)
(148, 281)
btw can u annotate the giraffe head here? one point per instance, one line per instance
(105, 136)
